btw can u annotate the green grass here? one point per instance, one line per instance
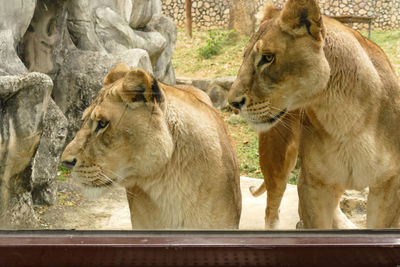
(246, 144)
(226, 62)
(389, 41)
(216, 41)
(294, 176)
(63, 173)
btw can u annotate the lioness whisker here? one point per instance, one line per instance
(114, 182)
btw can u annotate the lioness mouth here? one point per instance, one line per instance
(280, 114)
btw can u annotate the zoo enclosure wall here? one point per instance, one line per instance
(212, 14)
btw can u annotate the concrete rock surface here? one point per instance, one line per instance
(46, 160)
(24, 100)
(78, 82)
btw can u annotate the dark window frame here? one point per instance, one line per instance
(200, 248)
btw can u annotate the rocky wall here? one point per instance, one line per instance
(386, 13)
(54, 55)
(206, 14)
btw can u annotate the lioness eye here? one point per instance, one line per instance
(266, 59)
(101, 124)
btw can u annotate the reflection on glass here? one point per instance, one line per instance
(318, 117)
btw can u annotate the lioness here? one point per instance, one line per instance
(166, 145)
(351, 98)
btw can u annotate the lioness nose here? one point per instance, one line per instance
(239, 103)
(69, 164)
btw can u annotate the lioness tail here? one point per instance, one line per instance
(257, 192)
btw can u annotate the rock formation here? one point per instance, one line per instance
(71, 44)
(23, 103)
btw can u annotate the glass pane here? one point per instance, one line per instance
(116, 115)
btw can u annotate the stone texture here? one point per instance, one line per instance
(75, 42)
(225, 82)
(216, 89)
(16, 16)
(79, 81)
(163, 69)
(218, 95)
(81, 27)
(9, 60)
(142, 12)
(201, 9)
(202, 84)
(24, 100)
(46, 160)
(113, 31)
(386, 13)
(42, 47)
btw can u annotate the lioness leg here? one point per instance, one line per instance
(319, 204)
(278, 149)
(383, 206)
(340, 220)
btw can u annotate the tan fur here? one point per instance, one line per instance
(168, 147)
(270, 11)
(351, 99)
(278, 150)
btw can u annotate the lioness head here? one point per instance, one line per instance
(284, 66)
(123, 135)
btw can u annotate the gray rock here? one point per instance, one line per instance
(45, 163)
(24, 100)
(202, 84)
(142, 12)
(218, 96)
(184, 80)
(82, 76)
(169, 77)
(153, 42)
(16, 16)
(43, 45)
(10, 63)
(114, 32)
(81, 26)
(124, 8)
(110, 26)
(163, 69)
(225, 82)
(156, 7)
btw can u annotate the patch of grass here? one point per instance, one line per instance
(389, 41)
(63, 173)
(294, 176)
(188, 63)
(245, 142)
(216, 41)
(213, 46)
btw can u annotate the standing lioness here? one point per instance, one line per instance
(167, 146)
(350, 136)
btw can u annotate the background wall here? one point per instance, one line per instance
(209, 14)
(206, 14)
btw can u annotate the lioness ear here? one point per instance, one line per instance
(299, 17)
(140, 85)
(116, 73)
(270, 11)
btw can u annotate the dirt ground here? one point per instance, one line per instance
(74, 211)
(110, 211)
